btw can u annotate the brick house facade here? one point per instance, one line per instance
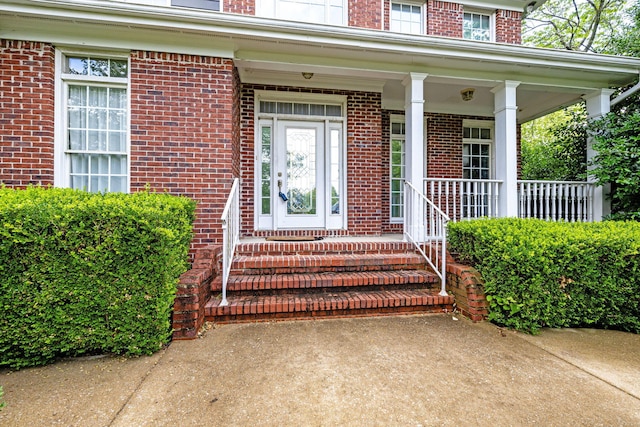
(193, 72)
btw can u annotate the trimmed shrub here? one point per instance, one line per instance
(88, 273)
(555, 274)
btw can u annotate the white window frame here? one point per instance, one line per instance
(62, 177)
(412, 5)
(396, 119)
(492, 23)
(272, 8)
(482, 124)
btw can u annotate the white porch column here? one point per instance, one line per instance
(598, 104)
(506, 148)
(414, 129)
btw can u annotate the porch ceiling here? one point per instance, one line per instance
(277, 52)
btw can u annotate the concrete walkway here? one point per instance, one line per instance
(397, 371)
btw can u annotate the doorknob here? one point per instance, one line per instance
(280, 193)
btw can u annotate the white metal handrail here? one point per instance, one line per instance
(556, 200)
(464, 198)
(426, 227)
(230, 235)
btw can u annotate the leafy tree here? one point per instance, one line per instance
(554, 146)
(618, 138)
(583, 25)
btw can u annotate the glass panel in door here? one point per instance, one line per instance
(300, 175)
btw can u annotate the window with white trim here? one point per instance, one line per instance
(333, 12)
(406, 18)
(95, 123)
(477, 26)
(396, 169)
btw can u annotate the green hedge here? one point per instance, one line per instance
(545, 274)
(84, 273)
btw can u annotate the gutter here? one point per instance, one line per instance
(626, 94)
(243, 26)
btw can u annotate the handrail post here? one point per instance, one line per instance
(230, 235)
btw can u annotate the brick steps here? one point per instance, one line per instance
(289, 264)
(297, 280)
(321, 281)
(341, 304)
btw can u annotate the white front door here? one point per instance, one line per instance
(299, 168)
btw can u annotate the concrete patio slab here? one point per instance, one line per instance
(417, 370)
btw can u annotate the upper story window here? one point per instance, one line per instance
(332, 12)
(93, 119)
(406, 18)
(198, 4)
(478, 26)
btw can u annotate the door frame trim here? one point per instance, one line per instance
(267, 222)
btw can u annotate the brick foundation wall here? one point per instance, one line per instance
(467, 287)
(444, 18)
(27, 77)
(365, 14)
(508, 27)
(181, 132)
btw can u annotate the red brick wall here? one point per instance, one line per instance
(444, 18)
(365, 14)
(508, 27)
(244, 7)
(364, 163)
(444, 147)
(181, 132)
(27, 75)
(237, 111)
(364, 157)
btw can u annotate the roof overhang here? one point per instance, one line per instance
(277, 52)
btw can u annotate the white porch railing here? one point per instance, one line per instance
(426, 227)
(464, 198)
(556, 200)
(230, 235)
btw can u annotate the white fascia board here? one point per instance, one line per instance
(247, 31)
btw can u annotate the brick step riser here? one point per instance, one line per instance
(323, 249)
(338, 313)
(326, 281)
(329, 290)
(268, 271)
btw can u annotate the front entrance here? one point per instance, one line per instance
(300, 174)
(300, 157)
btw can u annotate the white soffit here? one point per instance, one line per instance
(258, 40)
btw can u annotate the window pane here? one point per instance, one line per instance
(316, 110)
(77, 140)
(301, 109)
(118, 68)
(118, 183)
(77, 66)
(334, 110)
(99, 67)
(485, 133)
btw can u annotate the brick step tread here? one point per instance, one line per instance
(277, 263)
(315, 303)
(322, 248)
(325, 280)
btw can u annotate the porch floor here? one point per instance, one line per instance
(333, 277)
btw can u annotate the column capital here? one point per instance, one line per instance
(413, 77)
(598, 102)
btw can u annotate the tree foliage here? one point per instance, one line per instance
(554, 146)
(582, 25)
(618, 161)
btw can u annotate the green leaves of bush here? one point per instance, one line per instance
(541, 273)
(83, 273)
